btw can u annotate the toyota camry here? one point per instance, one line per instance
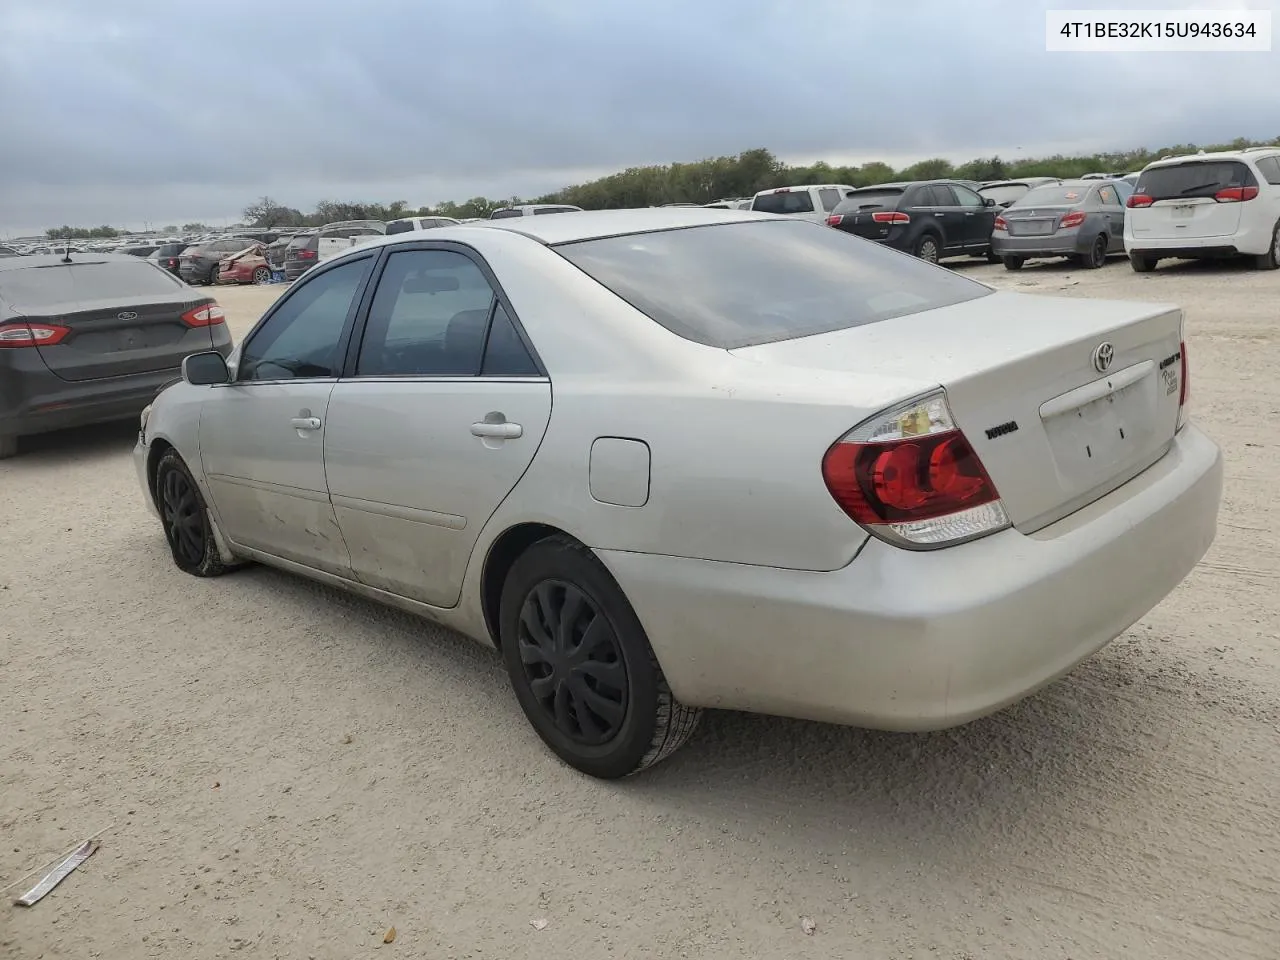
(670, 459)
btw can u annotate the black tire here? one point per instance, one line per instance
(1097, 255)
(261, 274)
(1014, 263)
(928, 248)
(1271, 259)
(601, 704)
(185, 519)
(992, 256)
(1142, 264)
(8, 446)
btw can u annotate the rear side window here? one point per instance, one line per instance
(739, 284)
(503, 214)
(1195, 178)
(829, 198)
(1269, 167)
(1004, 194)
(38, 288)
(794, 201)
(399, 226)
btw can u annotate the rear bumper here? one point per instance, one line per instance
(1176, 251)
(1249, 240)
(293, 269)
(34, 400)
(198, 272)
(903, 640)
(1053, 245)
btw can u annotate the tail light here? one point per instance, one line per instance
(890, 216)
(909, 477)
(835, 219)
(305, 254)
(15, 335)
(1184, 396)
(1073, 219)
(173, 261)
(1001, 223)
(206, 316)
(1236, 194)
(1139, 200)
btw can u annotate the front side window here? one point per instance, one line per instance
(302, 338)
(966, 196)
(429, 317)
(739, 284)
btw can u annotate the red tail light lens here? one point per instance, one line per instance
(911, 478)
(1001, 223)
(1073, 219)
(835, 219)
(206, 316)
(1236, 194)
(173, 261)
(16, 335)
(305, 254)
(892, 216)
(1139, 200)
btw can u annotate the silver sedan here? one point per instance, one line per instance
(672, 459)
(1082, 220)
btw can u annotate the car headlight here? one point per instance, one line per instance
(142, 425)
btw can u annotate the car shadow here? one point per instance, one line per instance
(74, 444)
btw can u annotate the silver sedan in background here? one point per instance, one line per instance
(1082, 220)
(670, 459)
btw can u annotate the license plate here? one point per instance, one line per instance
(1025, 228)
(1184, 212)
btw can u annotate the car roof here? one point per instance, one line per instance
(53, 259)
(1241, 155)
(580, 225)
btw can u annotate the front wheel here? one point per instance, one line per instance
(927, 248)
(1014, 263)
(185, 519)
(582, 667)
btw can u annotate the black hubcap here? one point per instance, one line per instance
(573, 663)
(183, 519)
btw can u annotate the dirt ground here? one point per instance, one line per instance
(287, 771)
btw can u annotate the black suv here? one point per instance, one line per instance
(932, 219)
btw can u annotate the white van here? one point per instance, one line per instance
(1204, 206)
(812, 202)
(410, 224)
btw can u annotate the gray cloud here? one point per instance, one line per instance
(128, 112)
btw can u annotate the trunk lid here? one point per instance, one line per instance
(858, 212)
(1034, 221)
(113, 339)
(1183, 203)
(1054, 432)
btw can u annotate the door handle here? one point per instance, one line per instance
(497, 431)
(939, 214)
(305, 423)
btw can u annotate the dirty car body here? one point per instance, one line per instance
(827, 480)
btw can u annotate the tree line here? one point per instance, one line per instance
(702, 181)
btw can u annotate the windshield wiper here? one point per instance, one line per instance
(1198, 186)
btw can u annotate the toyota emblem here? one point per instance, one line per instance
(1103, 354)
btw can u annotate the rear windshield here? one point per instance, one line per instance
(37, 288)
(1195, 178)
(560, 210)
(795, 201)
(739, 284)
(1053, 195)
(303, 241)
(503, 214)
(171, 249)
(1006, 193)
(878, 197)
(399, 226)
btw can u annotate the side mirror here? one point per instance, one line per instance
(988, 202)
(205, 369)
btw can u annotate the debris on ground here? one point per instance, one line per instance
(808, 925)
(59, 873)
(390, 935)
(538, 924)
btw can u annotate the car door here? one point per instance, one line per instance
(441, 415)
(977, 219)
(1108, 202)
(262, 436)
(941, 205)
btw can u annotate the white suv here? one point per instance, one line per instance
(1206, 206)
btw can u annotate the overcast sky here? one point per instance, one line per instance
(133, 111)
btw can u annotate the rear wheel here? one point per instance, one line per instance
(1097, 255)
(8, 446)
(185, 519)
(928, 248)
(1014, 263)
(1271, 259)
(1142, 264)
(992, 256)
(261, 275)
(582, 667)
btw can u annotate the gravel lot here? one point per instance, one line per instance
(287, 770)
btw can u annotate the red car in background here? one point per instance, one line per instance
(248, 266)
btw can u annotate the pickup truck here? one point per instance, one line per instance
(804, 203)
